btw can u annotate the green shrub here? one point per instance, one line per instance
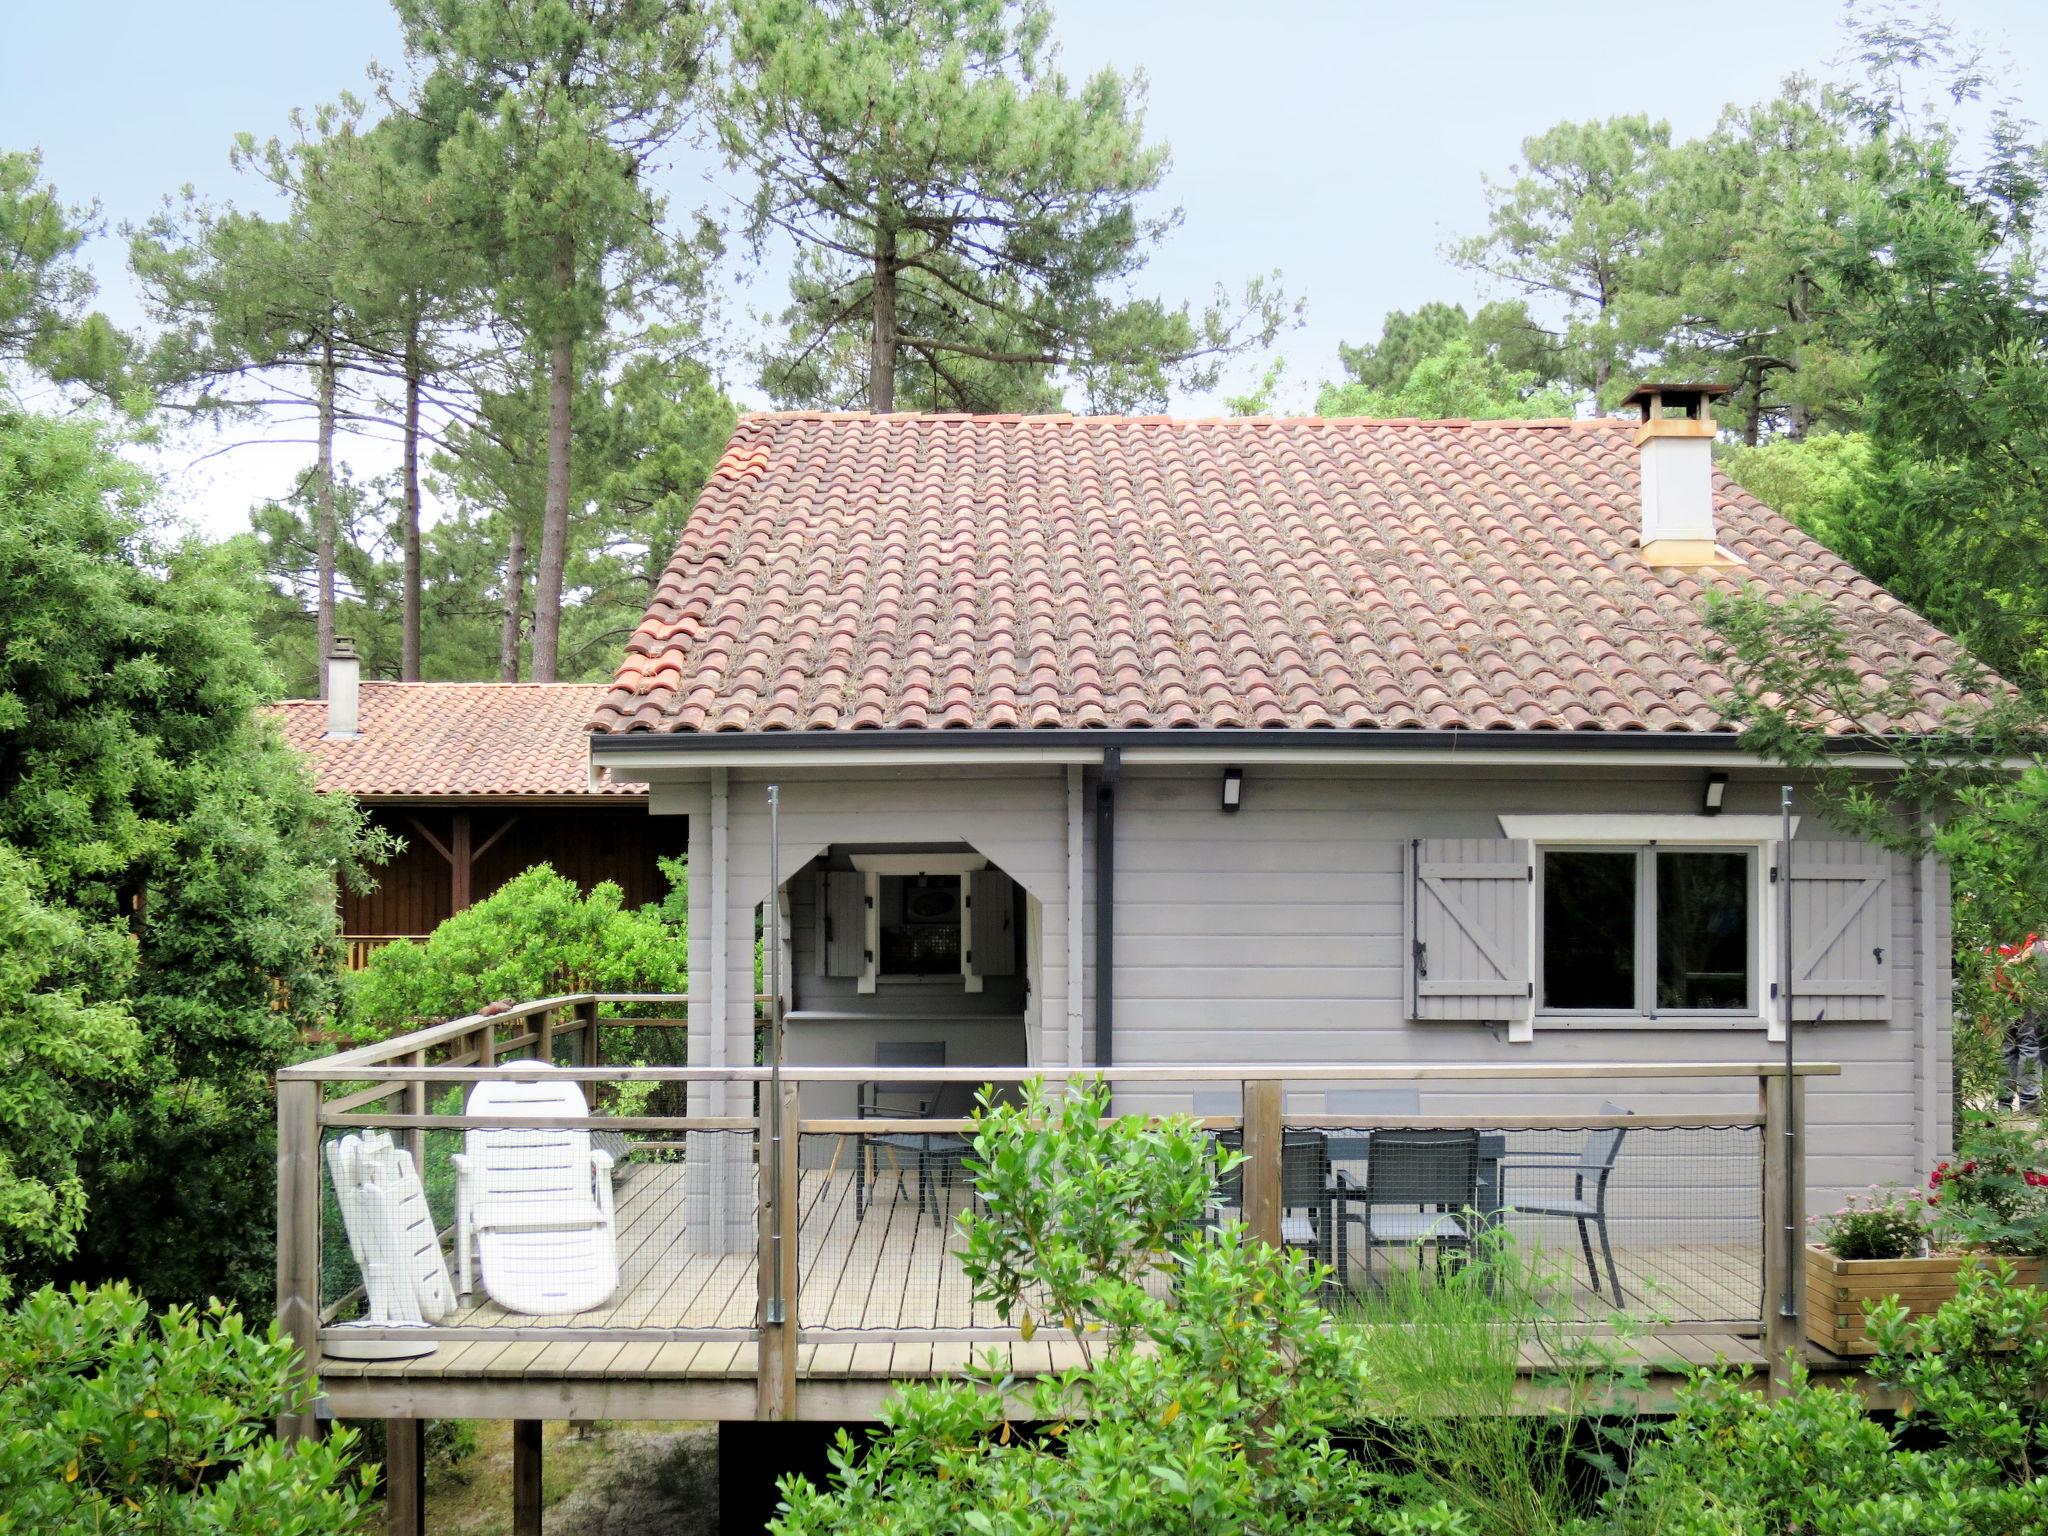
(536, 936)
(1227, 1421)
(1733, 1463)
(114, 1421)
(1993, 1194)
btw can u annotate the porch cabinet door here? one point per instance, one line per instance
(1841, 931)
(1469, 929)
(842, 913)
(991, 924)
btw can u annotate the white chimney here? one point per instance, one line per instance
(344, 674)
(1676, 443)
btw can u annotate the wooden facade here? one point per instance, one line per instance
(458, 854)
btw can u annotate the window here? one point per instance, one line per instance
(920, 925)
(1647, 930)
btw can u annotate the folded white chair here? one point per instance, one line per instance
(533, 1206)
(391, 1233)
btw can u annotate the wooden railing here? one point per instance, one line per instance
(358, 947)
(355, 1089)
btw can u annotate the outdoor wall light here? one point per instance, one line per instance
(1233, 788)
(1717, 791)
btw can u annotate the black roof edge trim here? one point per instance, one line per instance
(629, 743)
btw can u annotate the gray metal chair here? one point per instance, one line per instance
(1436, 1172)
(1306, 1195)
(1587, 1204)
(908, 1151)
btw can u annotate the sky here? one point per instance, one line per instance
(1343, 144)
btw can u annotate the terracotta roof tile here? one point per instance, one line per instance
(853, 572)
(428, 739)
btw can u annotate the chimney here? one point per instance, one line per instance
(1676, 441)
(344, 673)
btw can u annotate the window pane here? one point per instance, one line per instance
(920, 923)
(1589, 929)
(1703, 930)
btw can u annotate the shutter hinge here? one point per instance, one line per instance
(1774, 874)
(1421, 959)
(868, 902)
(1532, 989)
(1878, 951)
(1529, 874)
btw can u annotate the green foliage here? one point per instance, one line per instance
(1993, 1194)
(1504, 332)
(1888, 1223)
(1458, 1424)
(535, 936)
(45, 287)
(1974, 1370)
(169, 863)
(1817, 481)
(113, 1422)
(1225, 1422)
(1456, 381)
(1733, 1462)
(968, 222)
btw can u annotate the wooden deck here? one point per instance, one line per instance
(889, 1274)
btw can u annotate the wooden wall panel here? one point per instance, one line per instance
(587, 845)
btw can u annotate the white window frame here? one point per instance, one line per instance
(872, 866)
(1758, 835)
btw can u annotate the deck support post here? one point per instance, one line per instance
(1263, 1137)
(405, 1477)
(775, 1363)
(1784, 1177)
(526, 1477)
(298, 1236)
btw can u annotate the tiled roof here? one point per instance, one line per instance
(843, 572)
(430, 739)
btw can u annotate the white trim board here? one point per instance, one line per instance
(1644, 827)
(918, 863)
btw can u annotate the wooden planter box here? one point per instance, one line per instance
(1837, 1288)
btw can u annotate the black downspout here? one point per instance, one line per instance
(1105, 907)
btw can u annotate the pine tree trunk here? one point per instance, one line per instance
(882, 350)
(515, 602)
(409, 642)
(554, 518)
(323, 514)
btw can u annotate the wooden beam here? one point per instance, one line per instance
(1784, 1197)
(1264, 1135)
(433, 842)
(526, 1477)
(492, 841)
(298, 1236)
(459, 861)
(405, 1477)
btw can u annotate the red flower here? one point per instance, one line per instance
(1970, 1166)
(2037, 1179)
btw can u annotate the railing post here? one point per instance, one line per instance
(776, 1261)
(1784, 1174)
(1264, 1134)
(587, 1012)
(298, 1235)
(416, 1104)
(487, 1043)
(544, 1032)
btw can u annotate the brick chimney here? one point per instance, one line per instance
(1676, 444)
(344, 674)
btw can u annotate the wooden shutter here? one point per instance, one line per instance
(1468, 928)
(1841, 931)
(991, 924)
(842, 912)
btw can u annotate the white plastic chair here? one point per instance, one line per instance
(391, 1233)
(533, 1207)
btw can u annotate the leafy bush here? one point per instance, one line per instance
(1226, 1421)
(1882, 1223)
(1993, 1195)
(536, 936)
(1732, 1462)
(117, 1422)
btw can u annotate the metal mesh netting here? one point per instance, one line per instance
(584, 1228)
(1659, 1222)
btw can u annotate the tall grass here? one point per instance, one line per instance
(1488, 1395)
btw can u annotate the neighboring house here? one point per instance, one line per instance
(1333, 742)
(482, 781)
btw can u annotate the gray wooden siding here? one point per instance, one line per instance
(1275, 934)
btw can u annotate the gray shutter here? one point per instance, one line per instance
(1841, 931)
(1468, 928)
(842, 909)
(991, 923)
